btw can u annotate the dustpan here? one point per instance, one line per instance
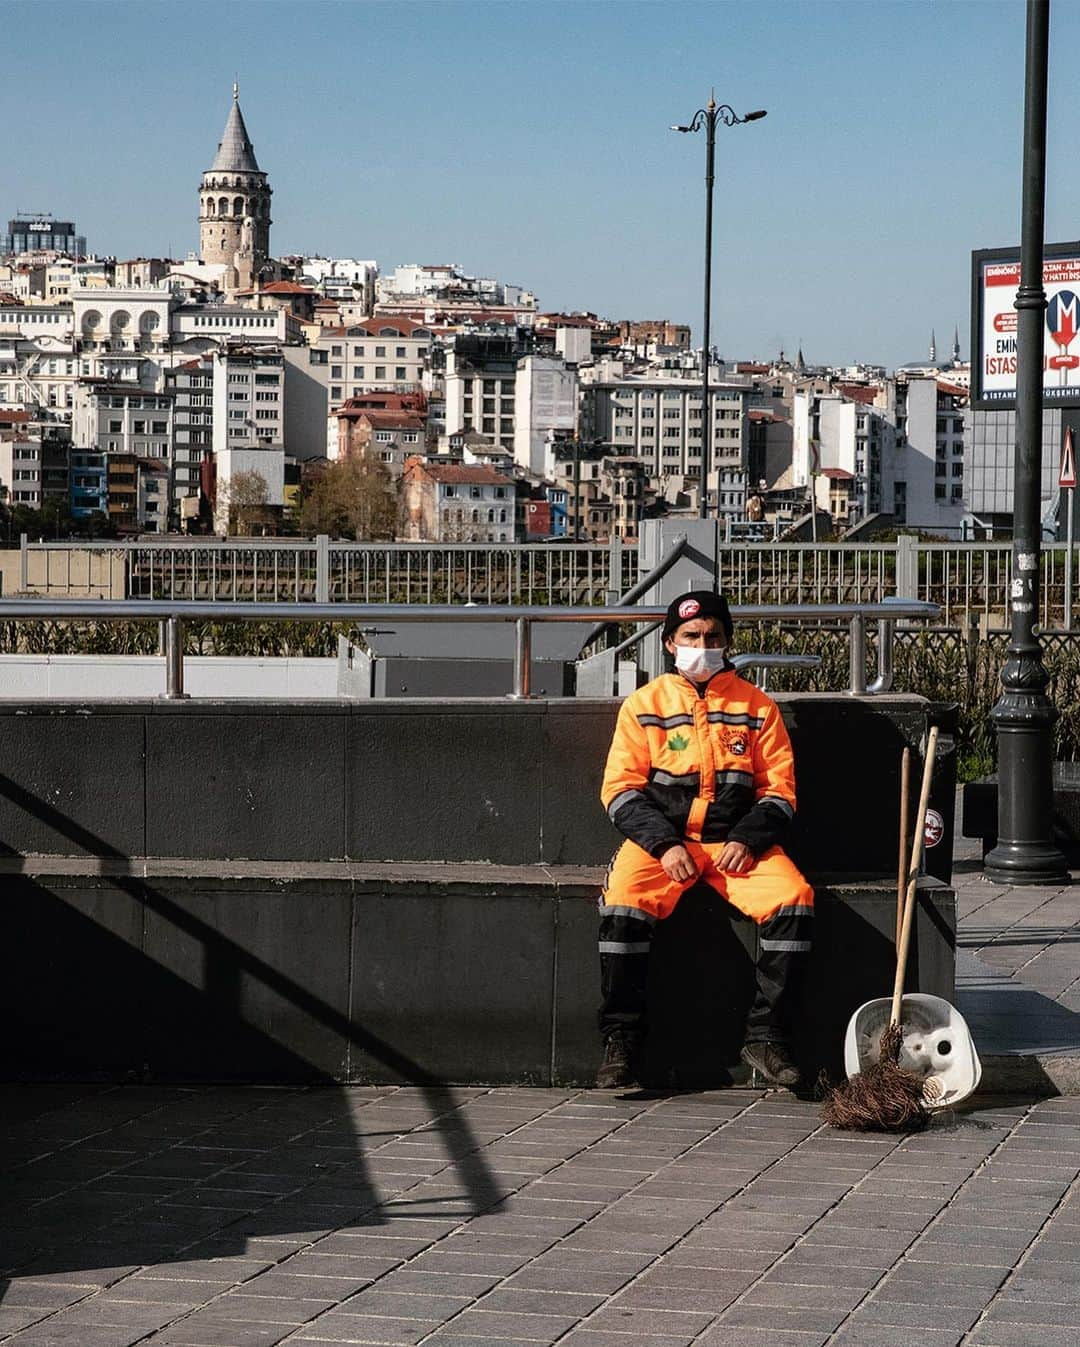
(936, 1044)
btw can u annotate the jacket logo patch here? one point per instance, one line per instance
(735, 741)
(677, 742)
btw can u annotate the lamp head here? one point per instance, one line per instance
(756, 116)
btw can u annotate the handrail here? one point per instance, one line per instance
(172, 615)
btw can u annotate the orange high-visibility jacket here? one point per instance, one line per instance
(712, 766)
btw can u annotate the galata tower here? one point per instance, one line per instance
(234, 206)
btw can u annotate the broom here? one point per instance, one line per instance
(885, 1097)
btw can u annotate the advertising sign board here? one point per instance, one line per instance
(995, 278)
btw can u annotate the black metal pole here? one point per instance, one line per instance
(1023, 715)
(706, 420)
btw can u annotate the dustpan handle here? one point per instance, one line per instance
(913, 876)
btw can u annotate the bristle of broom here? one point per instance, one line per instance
(883, 1098)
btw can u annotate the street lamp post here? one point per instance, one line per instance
(1023, 715)
(707, 117)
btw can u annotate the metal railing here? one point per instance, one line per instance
(316, 570)
(961, 577)
(172, 616)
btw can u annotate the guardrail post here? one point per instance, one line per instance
(174, 659)
(522, 658)
(907, 566)
(614, 589)
(858, 655)
(322, 568)
(24, 564)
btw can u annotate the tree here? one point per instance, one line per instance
(247, 498)
(351, 497)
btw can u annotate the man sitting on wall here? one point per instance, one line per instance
(700, 780)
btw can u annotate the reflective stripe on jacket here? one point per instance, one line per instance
(712, 767)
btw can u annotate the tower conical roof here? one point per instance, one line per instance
(235, 154)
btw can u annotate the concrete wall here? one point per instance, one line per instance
(406, 890)
(73, 572)
(64, 677)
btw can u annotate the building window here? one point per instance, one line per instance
(380, 371)
(380, 351)
(358, 372)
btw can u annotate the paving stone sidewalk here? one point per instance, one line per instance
(224, 1217)
(248, 1217)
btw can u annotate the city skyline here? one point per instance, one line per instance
(468, 133)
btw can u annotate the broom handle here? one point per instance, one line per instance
(902, 865)
(913, 876)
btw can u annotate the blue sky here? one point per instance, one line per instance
(528, 139)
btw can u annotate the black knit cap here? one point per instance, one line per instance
(697, 603)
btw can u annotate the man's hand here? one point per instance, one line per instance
(735, 858)
(678, 864)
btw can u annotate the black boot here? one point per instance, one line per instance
(773, 1061)
(618, 1070)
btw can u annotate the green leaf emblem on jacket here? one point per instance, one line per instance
(677, 742)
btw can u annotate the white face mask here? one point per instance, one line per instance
(699, 663)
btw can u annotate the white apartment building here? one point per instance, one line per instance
(205, 326)
(481, 387)
(249, 405)
(832, 431)
(114, 319)
(266, 461)
(657, 418)
(38, 372)
(902, 441)
(929, 485)
(343, 278)
(115, 418)
(379, 355)
(448, 283)
(545, 399)
(249, 423)
(21, 467)
(36, 320)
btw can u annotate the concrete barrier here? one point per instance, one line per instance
(365, 892)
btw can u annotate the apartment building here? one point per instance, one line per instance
(192, 387)
(393, 435)
(377, 355)
(545, 400)
(481, 385)
(115, 418)
(248, 425)
(656, 417)
(456, 503)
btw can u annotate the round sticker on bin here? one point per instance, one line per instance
(935, 828)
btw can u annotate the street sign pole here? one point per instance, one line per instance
(1069, 544)
(1067, 483)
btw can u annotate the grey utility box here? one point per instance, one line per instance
(457, 659)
